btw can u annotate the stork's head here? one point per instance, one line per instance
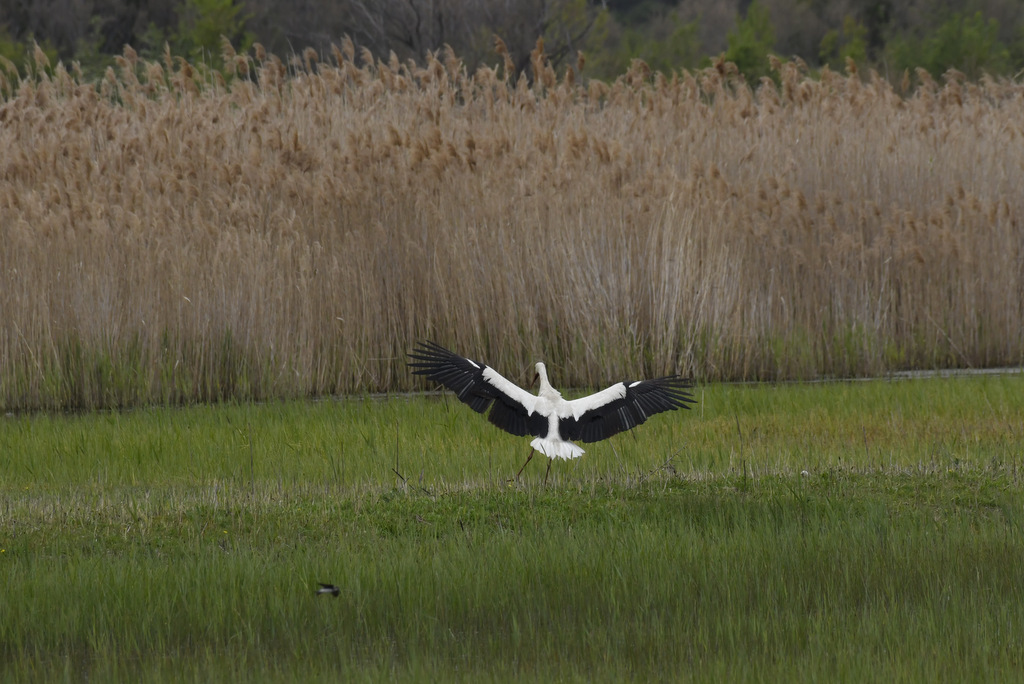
(545, 386)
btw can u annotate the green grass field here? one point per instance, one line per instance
(866, 531)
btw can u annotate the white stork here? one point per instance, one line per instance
(552, 420)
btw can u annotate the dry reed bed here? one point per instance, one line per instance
(167, 237)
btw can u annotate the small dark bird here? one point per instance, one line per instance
(328, 589)
(546, 416)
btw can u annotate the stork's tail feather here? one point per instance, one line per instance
(557, 449)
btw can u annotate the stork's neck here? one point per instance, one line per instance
(546, 390)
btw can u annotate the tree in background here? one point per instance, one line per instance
(12, 50)
(751, 42)
(849, 42)
(665, 41)
(198, 32)
(969, 44)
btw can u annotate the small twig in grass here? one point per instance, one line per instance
(405, 482)
(667, 465)
(252, 462)
(743, 462)
(963, 357)
(622, 466)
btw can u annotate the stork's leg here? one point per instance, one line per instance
(548, 471)
(528, 459)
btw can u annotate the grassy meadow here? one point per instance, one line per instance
(859, 531)
(188, 260)
(172, 235)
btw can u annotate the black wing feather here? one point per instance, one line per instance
(642, 401)
(466, 379)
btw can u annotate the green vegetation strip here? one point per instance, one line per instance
(860, 531)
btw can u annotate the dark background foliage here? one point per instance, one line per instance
(984, 36)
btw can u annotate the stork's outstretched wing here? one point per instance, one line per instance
(481, 387)
(622, 407)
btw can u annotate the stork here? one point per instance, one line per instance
(551, 420)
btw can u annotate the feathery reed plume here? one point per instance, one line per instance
(42, 62)
(228, 55)
(502, 50)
